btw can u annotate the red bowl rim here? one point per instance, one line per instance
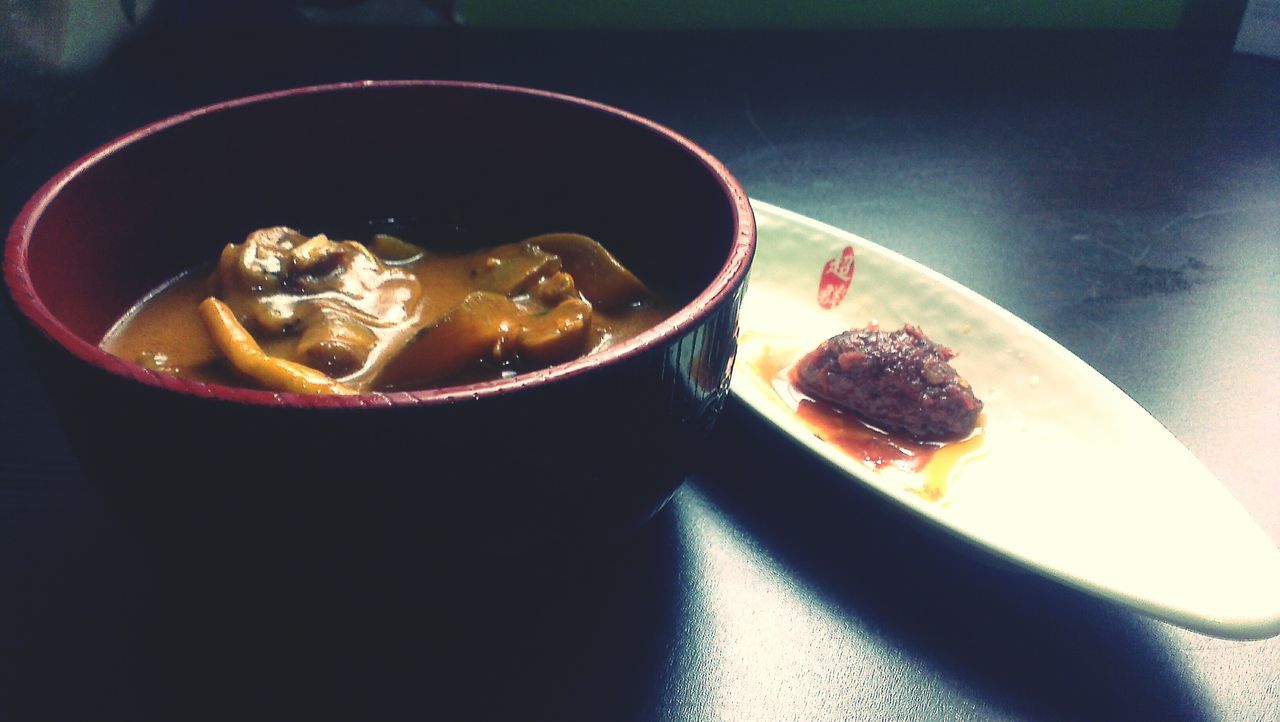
(731, 275)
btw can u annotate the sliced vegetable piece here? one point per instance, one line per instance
(555, 289)
(480, 327)
(557, 335)
(244, 353)
(604, 281)
(394, 250)
(511, 268)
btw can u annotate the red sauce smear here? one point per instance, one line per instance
(860, 440)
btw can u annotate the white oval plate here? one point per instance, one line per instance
(1075, 480)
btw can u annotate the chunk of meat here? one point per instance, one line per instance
(335, 295)
(898, 380)
(270, 278)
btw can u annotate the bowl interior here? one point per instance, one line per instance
(447, 165)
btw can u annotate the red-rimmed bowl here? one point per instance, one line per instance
(551, 456)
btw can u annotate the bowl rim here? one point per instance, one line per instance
(729, 278)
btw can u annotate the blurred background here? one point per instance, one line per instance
(46, 44)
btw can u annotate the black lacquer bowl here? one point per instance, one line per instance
(550, 459)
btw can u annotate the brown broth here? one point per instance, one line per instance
(166, 322)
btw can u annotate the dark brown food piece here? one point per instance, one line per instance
(897, 380)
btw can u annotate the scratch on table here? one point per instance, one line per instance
(1198, 215)
(751, 118)
(1132, 258)
(1112, 337)
(1143, 280)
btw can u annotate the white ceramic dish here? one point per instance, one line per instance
(1073, 480)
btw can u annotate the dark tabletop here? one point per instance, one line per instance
(1121, 192)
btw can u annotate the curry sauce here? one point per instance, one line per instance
(287, 312)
